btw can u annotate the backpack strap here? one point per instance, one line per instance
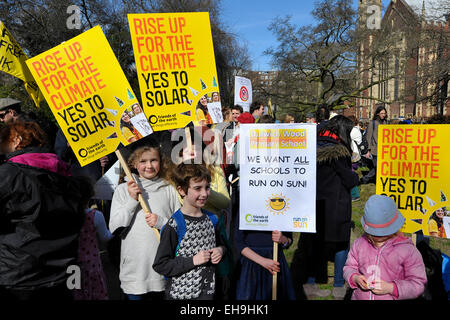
(181, 227)
(181, 224)
(214, 219)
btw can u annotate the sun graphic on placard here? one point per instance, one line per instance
(428, 210)
(277, 204)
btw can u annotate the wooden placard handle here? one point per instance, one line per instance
(274, 279)
(141, 199)
(187, 133)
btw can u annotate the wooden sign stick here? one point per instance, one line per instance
(187, 133)
(141, 199)
(274, 280)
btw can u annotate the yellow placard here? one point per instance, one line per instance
(89, 95)
(12, 61)
(412, 168)
(176, 68)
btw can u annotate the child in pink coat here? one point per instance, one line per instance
(383, 264)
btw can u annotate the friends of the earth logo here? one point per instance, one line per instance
(277, 204)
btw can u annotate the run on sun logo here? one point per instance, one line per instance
(277, 204)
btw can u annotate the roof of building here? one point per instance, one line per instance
(435, 10)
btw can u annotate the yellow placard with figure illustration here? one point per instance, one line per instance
(412, 169)
(89, 95)
(278, 169)
(12, 61)
(176, 68)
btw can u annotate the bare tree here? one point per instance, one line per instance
(39, 25)
(321, 63)
(433, 51)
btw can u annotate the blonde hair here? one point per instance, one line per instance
(372, 238)
(226, 113)
(134, 158)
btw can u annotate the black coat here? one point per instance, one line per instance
(335, 179)
(40, 218)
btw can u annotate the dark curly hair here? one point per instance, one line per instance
(31, 133)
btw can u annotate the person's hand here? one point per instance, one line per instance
(216, 254)
(202, 257)
(104, 161)
(229, 142)
(189, 154)
(382, 287)
(368, 155)
(133, 189)
(277, 237)
(271, 265)
(361, 281)
(151, 219)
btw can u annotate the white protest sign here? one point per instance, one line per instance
(243, 92)
(215, 111)
(141, 124)
(446, 223)
(105, 186)
(278, 172)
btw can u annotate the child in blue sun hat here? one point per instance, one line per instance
(383, 264)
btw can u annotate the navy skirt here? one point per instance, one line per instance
(255, 282)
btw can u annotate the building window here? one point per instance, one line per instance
(396, 70)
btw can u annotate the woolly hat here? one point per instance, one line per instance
(381, 216)
(246, 117)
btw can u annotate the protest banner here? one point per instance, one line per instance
(12, 61)
(243, 94)
(412, 169)
(88, 94)
(176, 67)
(278, 170)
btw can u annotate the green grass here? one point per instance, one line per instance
(366, 191)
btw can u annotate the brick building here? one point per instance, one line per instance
(420, 41)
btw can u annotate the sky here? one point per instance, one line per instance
(249, 21)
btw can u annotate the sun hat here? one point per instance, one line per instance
(6, 103)
(381, 216)
(246, 117)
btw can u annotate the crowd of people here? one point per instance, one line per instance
(189, 246)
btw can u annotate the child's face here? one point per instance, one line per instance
(149, 164)
(197, 193)
(380, 240)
